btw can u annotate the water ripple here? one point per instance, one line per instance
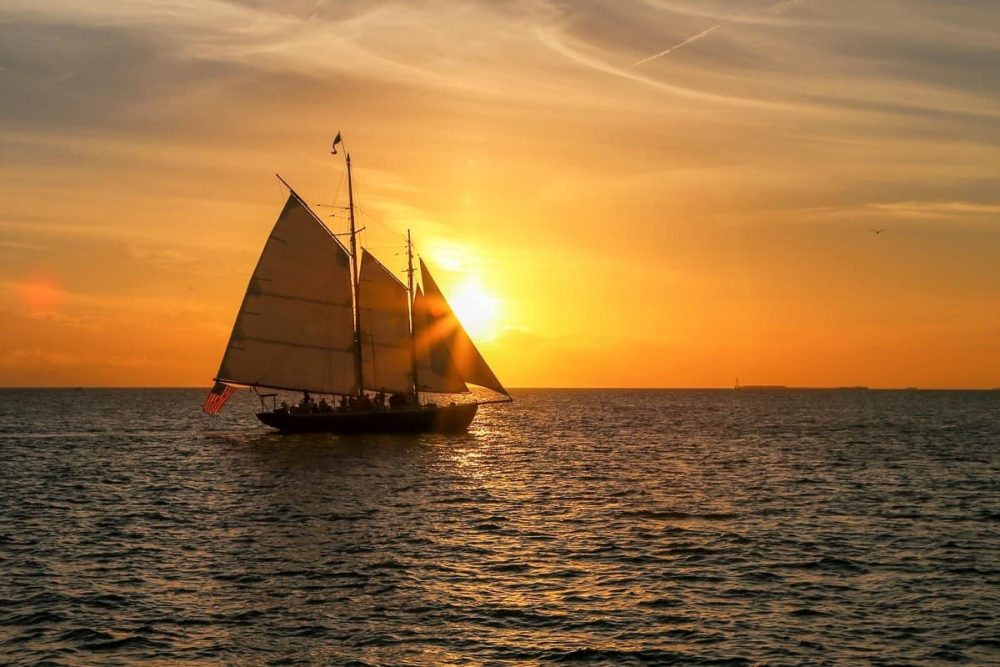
(580, 527)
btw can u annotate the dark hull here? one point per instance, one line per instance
(440, 419)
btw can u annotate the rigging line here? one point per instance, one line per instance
(361, 185)
(384, 225)
(336, 196)
(380, 249)
(361, 188)
(282, 190)
(369, 218)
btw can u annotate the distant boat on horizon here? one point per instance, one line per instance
(328, 320)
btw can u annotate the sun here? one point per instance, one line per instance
(477, 309)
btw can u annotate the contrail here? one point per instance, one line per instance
(778, 8)
(693, 38)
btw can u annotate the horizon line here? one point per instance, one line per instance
(752, 388)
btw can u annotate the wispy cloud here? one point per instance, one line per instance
(19, 245)
(937, 209)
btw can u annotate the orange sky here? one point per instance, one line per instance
(664, 193)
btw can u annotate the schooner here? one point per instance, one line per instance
(326, 319)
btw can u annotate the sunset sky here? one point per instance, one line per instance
(669, 193)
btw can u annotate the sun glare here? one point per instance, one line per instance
(476, 308)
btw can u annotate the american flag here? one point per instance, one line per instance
(217, 398)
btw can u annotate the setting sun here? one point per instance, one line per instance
(477, 309)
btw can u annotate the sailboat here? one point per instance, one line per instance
(326, 319)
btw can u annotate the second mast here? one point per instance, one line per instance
(355, 279)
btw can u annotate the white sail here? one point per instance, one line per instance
(445, 327)
(386, 349)
(295, 328)
(436, 371)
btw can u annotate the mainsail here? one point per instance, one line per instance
(295, 327)
(440, 329)
(385, 329)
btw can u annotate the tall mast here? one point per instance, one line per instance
(355, 280)
(413, 324)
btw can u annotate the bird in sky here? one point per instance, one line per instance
(877, 231)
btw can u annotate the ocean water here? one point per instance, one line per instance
(580, 527)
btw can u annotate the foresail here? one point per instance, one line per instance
(385, 329)
(295, 328)
(445, 327)
(436, 370)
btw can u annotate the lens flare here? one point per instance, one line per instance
(477, 309)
